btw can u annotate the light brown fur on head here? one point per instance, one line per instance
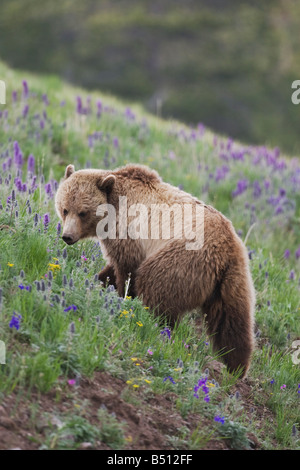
(164, 274)
(77, 200)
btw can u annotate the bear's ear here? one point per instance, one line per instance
(106, 183)
(69, 171)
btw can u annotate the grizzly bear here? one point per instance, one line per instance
(168, 270)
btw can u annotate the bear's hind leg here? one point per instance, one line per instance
(230, 318)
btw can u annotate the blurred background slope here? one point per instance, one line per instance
(229, 65)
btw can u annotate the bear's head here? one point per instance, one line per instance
(77, 199)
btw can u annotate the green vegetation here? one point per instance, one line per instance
(229, 65)
(62, 329)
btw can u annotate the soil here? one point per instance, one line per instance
(150, 420)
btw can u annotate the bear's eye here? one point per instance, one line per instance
(82, 214)
(65, 212)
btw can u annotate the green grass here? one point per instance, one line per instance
(100, 331)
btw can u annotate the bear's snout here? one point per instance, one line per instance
(69, 238)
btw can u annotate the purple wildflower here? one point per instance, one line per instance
(48, 189)
(79, 105)
(282, 192)
(71, 307)
(99, 108)
(15, 321)
(221, 173)
(21, 286)
(25, 111)
(170, 378)
(287, 254)
(278, 210)
(166, 332)
(219, 419)
(46, 221)
(18, 156)
(116, 142)
(256, 189)
(202, 385)
(297, 254)
(45, 99)
(30, 163)
(241, 186)
(129, 114)
(25, 89)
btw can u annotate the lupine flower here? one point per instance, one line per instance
(18, 156)
(71, 307)
(15, 321)
(241, 186)
(202, 385)
(219, 419)
(48, 189)
(99, 108)
(25, 111)
(25, 89)
(129, 114)
(169, 378)
(79, 105)
(45, 99)
(21, 286)
(46, 221)
(166, 332)
(287, 254)
(292, 275)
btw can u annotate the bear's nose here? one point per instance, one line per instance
(68, 238)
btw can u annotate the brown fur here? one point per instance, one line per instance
(166, 276)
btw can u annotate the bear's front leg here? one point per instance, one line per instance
(107, 276)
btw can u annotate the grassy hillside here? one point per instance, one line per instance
(227, 64)
(85, 368)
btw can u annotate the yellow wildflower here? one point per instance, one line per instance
(53, 266)
(210, 384)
